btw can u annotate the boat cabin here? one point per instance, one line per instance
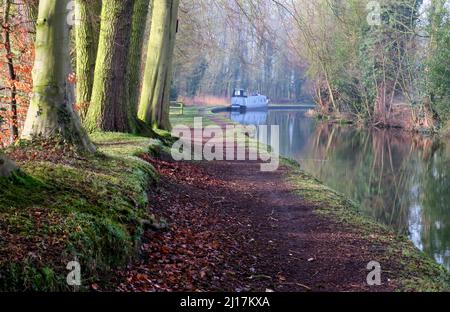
(240, 93)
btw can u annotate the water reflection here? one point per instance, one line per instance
(400, 179)
(255, 118)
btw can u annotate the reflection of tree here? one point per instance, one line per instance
(295, 131)
(390, 173)
(375, 168)
(435, 200)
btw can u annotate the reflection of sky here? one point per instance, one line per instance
(291, 132)
(443, 257)
(415, 225)
(415, 218)
(254, 118)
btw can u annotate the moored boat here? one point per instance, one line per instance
(241, 101)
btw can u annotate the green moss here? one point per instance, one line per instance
(15, 191)
(415, 270)
(89, 209)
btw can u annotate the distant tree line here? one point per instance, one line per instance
(229, 44)
(381, 62)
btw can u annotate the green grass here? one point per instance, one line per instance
(190, 112)
(87, 209)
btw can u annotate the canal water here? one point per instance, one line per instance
(399, 178)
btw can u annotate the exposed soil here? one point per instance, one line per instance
(235, 228)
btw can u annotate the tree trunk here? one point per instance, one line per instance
(108, 110)
(86, 37)
(134, 64)
(154, 103)
(6, 166)
(51, 111)
(14, 131)
(140, 13)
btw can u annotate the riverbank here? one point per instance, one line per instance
(136, 221)
(405, 267)
(400, 118)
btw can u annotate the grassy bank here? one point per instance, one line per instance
(62, 207)
(191, 112)
(411, 270)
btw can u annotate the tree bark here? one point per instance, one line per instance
(51, 111)
(6, 166)
(86, 37)
(108, 110)
(154, 102)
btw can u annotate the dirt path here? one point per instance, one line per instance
(235, 228)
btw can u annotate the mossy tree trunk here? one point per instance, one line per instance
(154, 102)
(141, 10)
(140, 13)
(6, 166)
(108, 110)
(87, 26)
(51, 111)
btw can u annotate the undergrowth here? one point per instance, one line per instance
(87, 208)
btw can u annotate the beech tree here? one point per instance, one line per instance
(141, 10)
(108, 109)
(140, 13)
(51, 110)
(86, 38)
(155, 96)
